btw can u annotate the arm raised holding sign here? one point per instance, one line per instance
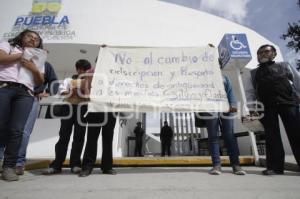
(224, 122)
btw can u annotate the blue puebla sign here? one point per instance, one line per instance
(44, 19)
(234, 47)
(41, 20)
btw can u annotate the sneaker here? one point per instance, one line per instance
(51, 171)
(85, 172)
(20, 170)
(237, 170)
(9, 174)
(76, 170)
(110, 172)
(216, 170)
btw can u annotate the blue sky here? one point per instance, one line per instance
(267, 17)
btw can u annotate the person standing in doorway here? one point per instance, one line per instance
(139, 134)
(166, 136)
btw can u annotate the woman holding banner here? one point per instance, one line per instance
(224, 122)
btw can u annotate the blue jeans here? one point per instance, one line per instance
(226, 127)
(27, 132)
(15, 106)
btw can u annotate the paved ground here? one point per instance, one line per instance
(153, 183)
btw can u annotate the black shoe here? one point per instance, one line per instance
(109, 172)
(51, 171)
(268, 172)
(85, 172)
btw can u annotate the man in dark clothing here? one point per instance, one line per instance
(273, 86)
(97, 121)
(72, 89)
(166, 136)
(139, 133)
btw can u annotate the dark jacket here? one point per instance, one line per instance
(273, 84)
(166, 132)
(138, 131)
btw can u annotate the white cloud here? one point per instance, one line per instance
(235, 10)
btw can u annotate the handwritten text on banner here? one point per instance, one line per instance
(163, 79)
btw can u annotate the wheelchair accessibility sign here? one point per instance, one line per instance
(237, 43)
(234, 47)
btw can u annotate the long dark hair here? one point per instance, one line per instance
(17, 41)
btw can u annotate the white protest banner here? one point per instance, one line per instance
(158, 79)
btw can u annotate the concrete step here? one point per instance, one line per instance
(148, 161)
